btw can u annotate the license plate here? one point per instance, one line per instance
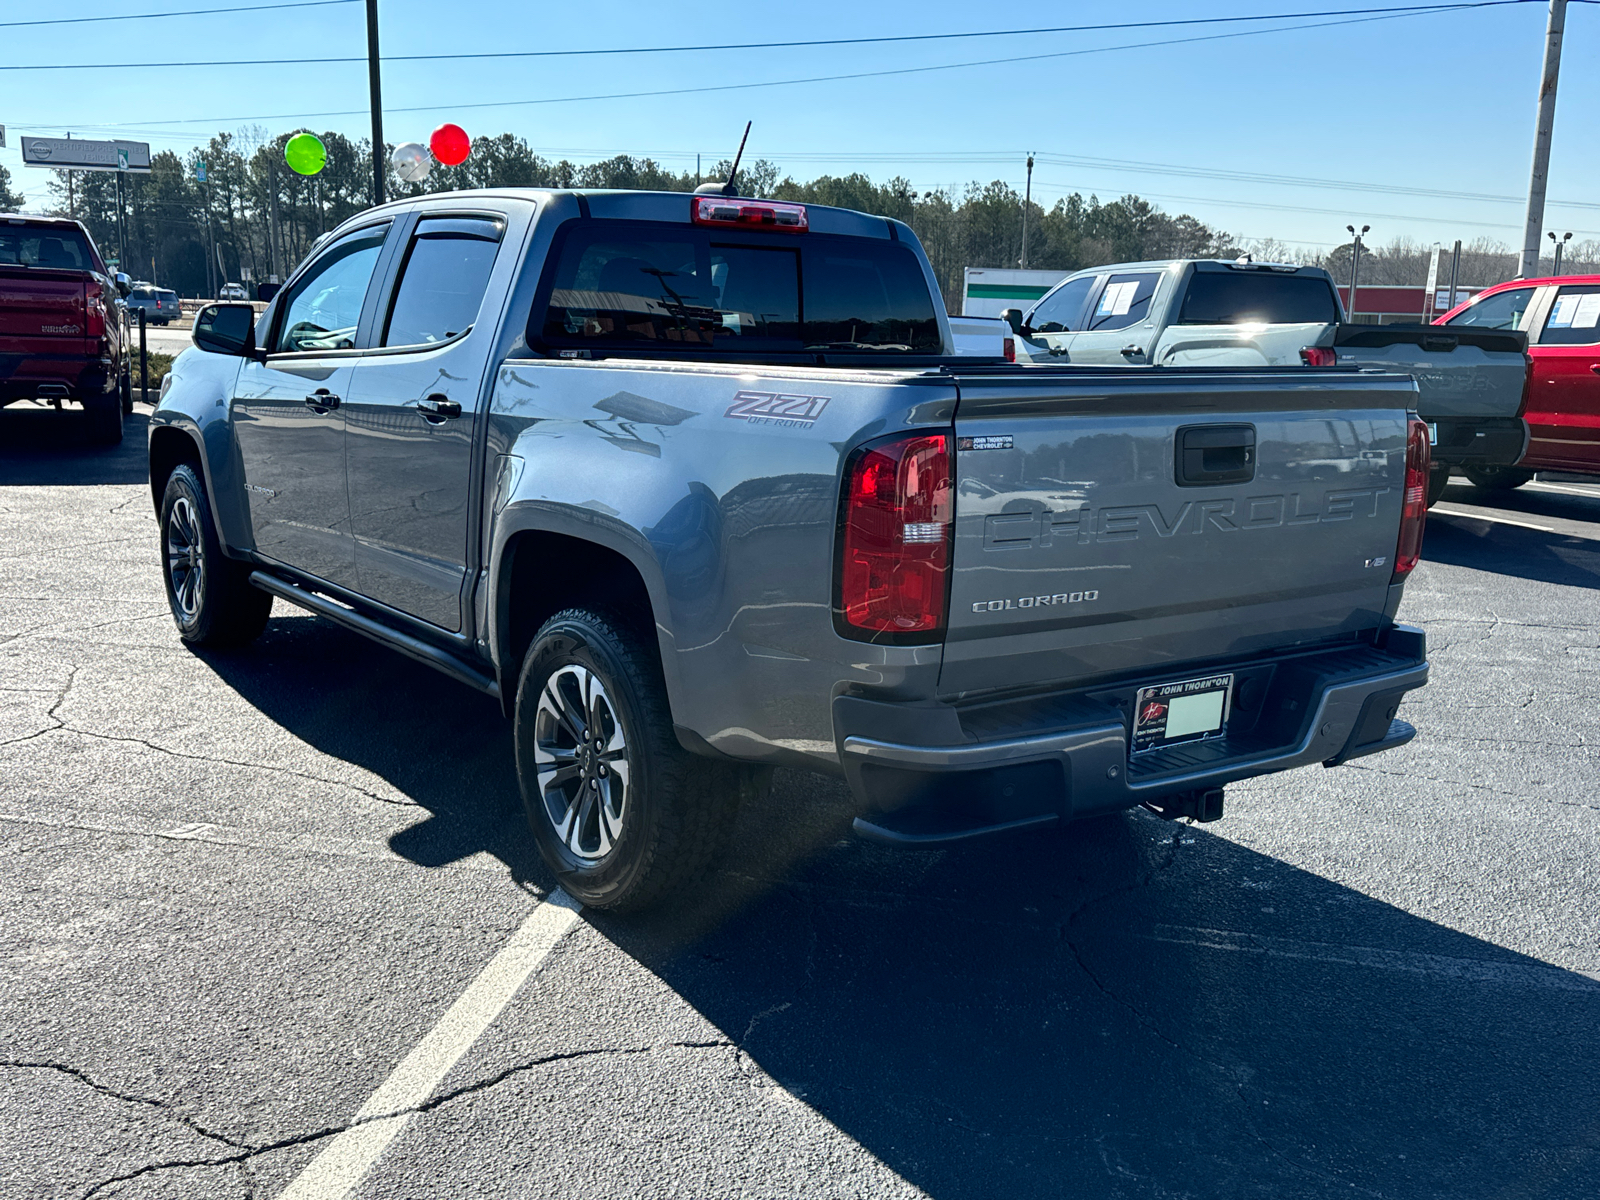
(1189, 710)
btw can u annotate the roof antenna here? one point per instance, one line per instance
(731, 187)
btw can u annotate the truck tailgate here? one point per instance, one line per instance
(1113, 522)
(1459, 372)
(41, 311)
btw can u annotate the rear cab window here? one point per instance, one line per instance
(1574, 318)
(636, 286)
(1124, 301)
(1250, 297)
(50, 247)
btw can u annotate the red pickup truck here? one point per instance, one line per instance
(61, 328)
(1561, 317)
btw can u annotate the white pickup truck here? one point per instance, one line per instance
(1472, 384)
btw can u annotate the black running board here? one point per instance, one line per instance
(411, 647)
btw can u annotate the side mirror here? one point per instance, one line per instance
(124, 284)
(1013, 318)
(226, 329)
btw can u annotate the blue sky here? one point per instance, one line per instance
(1442, 101)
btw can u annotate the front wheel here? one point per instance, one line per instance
(1496, 479)
(209, 594)
(623, 814)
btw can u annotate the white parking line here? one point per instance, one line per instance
(1472, 516)
(351, 1154)
(1592, 493)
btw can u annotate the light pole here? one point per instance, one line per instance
(1355, 265)
(1027, 201)
(1559, 245)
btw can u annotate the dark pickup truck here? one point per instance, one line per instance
(696, 486)
(62, 335)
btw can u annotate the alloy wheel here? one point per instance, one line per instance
(186, 558)
(581, 759)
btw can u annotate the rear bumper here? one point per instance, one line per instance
(68, 376)
(1057, 758)
(1479, 441)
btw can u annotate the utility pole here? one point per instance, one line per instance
(1027, 201)
(377, 102)
(1355, 266)
(1541, 138)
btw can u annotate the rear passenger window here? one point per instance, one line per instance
(443, 281)
(1060, 311)
(1574, 318)
(1125, 301)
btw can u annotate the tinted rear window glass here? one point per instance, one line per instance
(1574, 318)
(443, 281)
(1240, 297)
(643, 286)
(54, 246)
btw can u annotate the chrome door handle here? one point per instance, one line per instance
(439, 406)
(323, 400)
(1130, 351)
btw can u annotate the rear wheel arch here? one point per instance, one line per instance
(540, 573)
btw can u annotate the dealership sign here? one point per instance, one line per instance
(79, 154)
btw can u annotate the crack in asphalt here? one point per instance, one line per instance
(245, 1152)
(89, 1081)
(63, 727)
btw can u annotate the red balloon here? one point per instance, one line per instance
(450, 144)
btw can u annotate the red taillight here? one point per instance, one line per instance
(896, 540)
(1319, 356)
(94, 305)
(1011, 349)
(764, 214)
(1414, 510)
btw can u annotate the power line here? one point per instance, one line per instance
(1369, 13)
(190, 12)
(733, 87)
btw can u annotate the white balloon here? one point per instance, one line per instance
(412, 161)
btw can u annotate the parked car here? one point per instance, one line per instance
(161, 306)
(697, 487)
(1561, 318)
(1188, 312)
(61, 331)
(233, 291)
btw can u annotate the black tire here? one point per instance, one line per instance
(209, 594)
(104, 416)
(656, 831)
(1438, 479)
(1496, 479)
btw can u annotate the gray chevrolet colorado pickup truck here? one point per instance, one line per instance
(696, 487)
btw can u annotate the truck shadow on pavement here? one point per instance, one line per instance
(1128, 1008)
(1132, 1009)
(441, 745)
(1557, 558)
(40, 447)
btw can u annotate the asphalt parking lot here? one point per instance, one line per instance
(242, 890)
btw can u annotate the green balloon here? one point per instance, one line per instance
(305, 154)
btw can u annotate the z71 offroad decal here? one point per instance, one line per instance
(776, 408)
